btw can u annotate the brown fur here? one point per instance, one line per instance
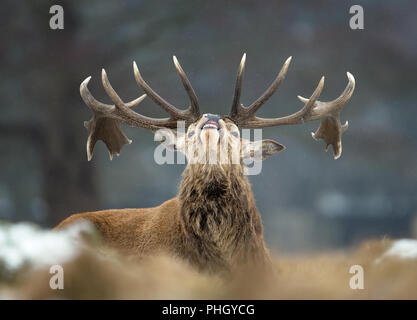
(214, 223)
(136, 231)
(220, 222)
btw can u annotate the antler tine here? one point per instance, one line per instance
(105, 123)
(239, 113)
(109, 90)
(131, 117)
(312, 110)
(236, 106)
(194, 107)
(330, 129)
(106, 120)
(295, 118)
(99, 106)
(271, 90)
(173, 111)
(336, 104)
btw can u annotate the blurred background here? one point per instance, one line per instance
(308, 201)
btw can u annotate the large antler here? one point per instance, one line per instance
(330, 129)
(105, 123)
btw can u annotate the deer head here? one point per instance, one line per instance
(208, 134)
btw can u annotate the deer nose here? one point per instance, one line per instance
(212, 117)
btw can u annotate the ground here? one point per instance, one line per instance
(93, 271)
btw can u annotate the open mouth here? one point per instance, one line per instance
(210, 124)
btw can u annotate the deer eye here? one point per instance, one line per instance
(190, 134)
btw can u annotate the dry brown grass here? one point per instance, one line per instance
(106, 275)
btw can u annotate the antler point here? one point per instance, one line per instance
(242, 62)
(86, 81)
(350, 77)
(135, 66)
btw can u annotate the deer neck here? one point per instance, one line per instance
(218, 213)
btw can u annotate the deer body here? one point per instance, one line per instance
(213, 222)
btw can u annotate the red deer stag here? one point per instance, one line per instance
(213, 223)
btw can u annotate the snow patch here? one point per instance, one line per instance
(25, 244)
(404, 249)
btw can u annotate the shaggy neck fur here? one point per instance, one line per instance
(219, 219)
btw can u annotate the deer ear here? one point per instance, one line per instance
(261, 149)
(171, 139)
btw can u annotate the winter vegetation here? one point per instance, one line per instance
(92, 271)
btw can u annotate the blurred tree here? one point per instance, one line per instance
(46, 68)
(45, 61)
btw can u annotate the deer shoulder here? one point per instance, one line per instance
(135, 231)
